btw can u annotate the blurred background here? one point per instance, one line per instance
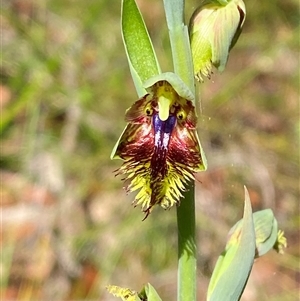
(67, 227)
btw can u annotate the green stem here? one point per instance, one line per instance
(187, 249)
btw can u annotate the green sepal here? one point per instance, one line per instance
(141, 56)
(235, 263)
(113, 153)
(175, 81)
(149, 293)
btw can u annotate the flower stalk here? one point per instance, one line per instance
(187, 247)
(183, 67)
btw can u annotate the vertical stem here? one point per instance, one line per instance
(187, 249)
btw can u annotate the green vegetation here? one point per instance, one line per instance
(68, 228)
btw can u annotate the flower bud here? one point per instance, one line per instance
(214, 29)
(267, 235)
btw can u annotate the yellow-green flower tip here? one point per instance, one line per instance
(281, 242)
(214, 29)
(125, 294)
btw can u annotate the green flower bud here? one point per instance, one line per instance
(266, 233)
(214, 29)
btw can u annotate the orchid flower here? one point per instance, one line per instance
(160, 146)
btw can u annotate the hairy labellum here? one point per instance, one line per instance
(160, 156)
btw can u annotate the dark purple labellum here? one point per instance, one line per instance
(163, 130)
(162, 135)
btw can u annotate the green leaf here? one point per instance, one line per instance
(235, 263)
(139, 49)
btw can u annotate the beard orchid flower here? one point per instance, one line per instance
(160, 146)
